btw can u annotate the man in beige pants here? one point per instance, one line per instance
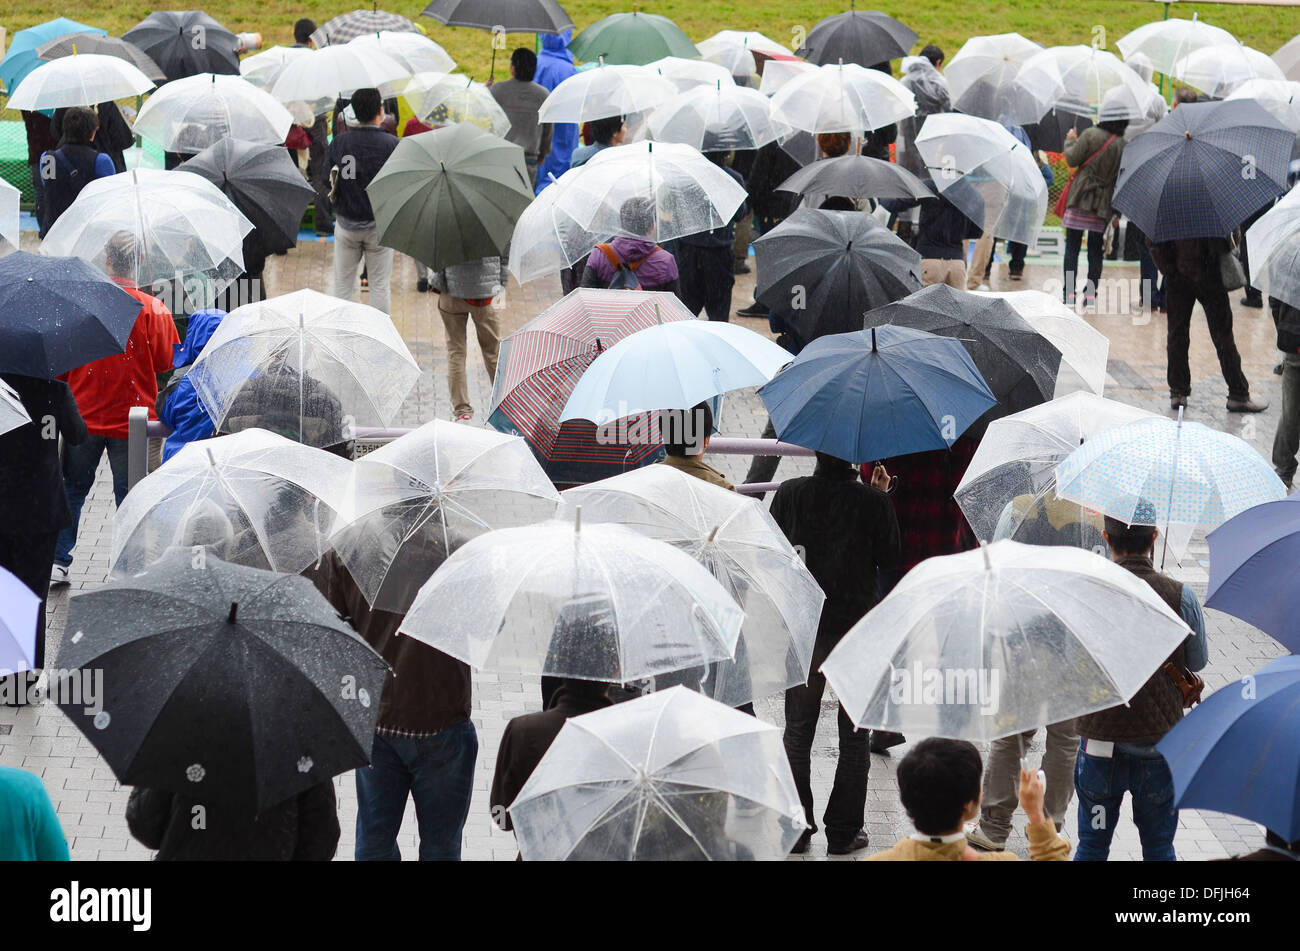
(942, 271)
(465, 293)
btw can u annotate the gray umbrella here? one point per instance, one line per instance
(822, 270)
(71, 44)
(263, 182)
(185, 43)
(854, 176)
(510, 16)
(220, 682)
(865, 37)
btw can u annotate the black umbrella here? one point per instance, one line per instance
(855, 176)
(1018, 363)
(821, 271)
(72, 43)
(263, 182)
(867, 38)
(221, 682)
(57, 314)
(1048, 133)
(185, 43)
(511, 16)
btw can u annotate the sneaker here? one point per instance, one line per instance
(801, 844)
(1277, 370)
(422, 285)
(1247, 406)
(1252, 301)
(1017, 275)
(982, 842)
(753, 310)
(856, 844)
(465, 417)
(59, 575)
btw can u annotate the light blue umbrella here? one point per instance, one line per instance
(673, 366)
(22, 59)
(19, 609)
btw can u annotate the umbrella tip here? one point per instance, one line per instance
(713, 534)
(577, 519)
(873, 339)
(1188, 133)
(984, 549)
(234, 609)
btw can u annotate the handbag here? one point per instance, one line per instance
(1231, 274)
(1060, 206)
(1188, 682)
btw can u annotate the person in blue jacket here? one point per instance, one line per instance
(178, 404)
(554, 65)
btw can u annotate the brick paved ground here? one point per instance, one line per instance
(91, 804)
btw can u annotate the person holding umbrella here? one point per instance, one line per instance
(1095, 156)
(520, 98)
(554, 65)
(66, 170)
(465, 293)
(317, 154)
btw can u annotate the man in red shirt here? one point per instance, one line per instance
(106, 390)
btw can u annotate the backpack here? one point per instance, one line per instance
(624, 278)
(62, 190)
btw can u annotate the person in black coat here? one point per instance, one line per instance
(113, 138)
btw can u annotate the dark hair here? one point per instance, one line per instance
(1113, 126)
(837, 203)
(718, 158)
(524, 62)
(933, 54)
(366, 103)
(1186, 94)
(834, 144)
(79, 124)
(602, 130)
(684, 430)
(1129, 539)
(637, 215)
(830, 465)
(936, 780)
(303, 29)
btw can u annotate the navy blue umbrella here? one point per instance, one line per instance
(877, 393)
(1237, 751)
(57, 314)
(1203, 169)
(1252, 569)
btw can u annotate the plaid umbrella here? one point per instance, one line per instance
(1203, 169)
(348, 26)
(540, 364)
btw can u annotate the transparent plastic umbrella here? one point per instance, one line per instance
(734, 50)
(414, 51)
(680, 190)
(716, 118)
(252, 498)
(415, 500)
(843, 97)
(1281, 97)
(448, 99)
(82, 80)
(986, 172)
(1084, 348)
(1076, 79)
(567, 599)
(184, 228)
(990, 643)
(1274, 242)
(306, 365)
(188, 115)
(1288, 58)
(1219, 70)
(546, 239)
(688, 73)
(605, 91)
(1165, 42)
(981, 77)
(779, 72)
(668, 777)
(12, 412)
(10, 199)
(263, 68)
(1009, 489)
(736, 539)
(335, 71)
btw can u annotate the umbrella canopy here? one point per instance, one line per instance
(673, 189)
(1236, 752)
(186, 42)
(669, 777)
(632, 38)
(864, 37)
(263, 68)
(1287, 57)
(1165, 42)
(735, 538)
(588, 602)
(672, 366)
(335, 71)
(1019, 364)
(19, 610)
(74, 44)
(182, 225)
(982, 77)
(348, 26)
(10, 200)
(1009, 489)
(604, 92)
(82, 80)
(854, 176)
(1049, 132)
(1078, 79)
(252, 498)
(57, 314)
(415, 51)
(688, 73)
(1248, 576)
(877, 393)
(1274, 242)
(734, 50)
(22, 57)
(778, 72)
(1185, 178)
(190, 114)
(510, 16)
(221, 683)
(1083, 347)
(443, 99)
(1219, 70)
(262, 182)
(415, 500)
(450, 195)
(12, 412)
(822, 270)
(306, 365)
(842, 97)
(1281, 97)
(541, 362)
(547, 239)
(716, 118)
(1018, 636)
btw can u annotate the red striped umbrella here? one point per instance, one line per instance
(540, 364)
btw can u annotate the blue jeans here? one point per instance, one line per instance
(79, 466)
(437, 772)
(1101, 784)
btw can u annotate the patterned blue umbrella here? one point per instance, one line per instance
(1203, 169)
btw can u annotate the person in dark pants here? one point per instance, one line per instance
(40, 139)
(1286, 441)
(1252, 296)
(848, 532)
(705, 265)
(772, 166)
(318, 169)
(1153, 291)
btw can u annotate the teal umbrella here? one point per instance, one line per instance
(632, 38)
(22, 59)
(451, 195)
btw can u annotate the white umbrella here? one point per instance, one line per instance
(335, 71)
(688, 73)
(991, 643)
(1165, 42)
(842, 97)
(12, 412)
(263, 68)
(446, 99)
(10, 197)
(1218, 70)
(547, 239)
(734, 50)
(1274, 242)
(779, 72)
(716, 118)
(669, 777)
(1083, 347)
(83, 80)
(414, 51)
(1076, 79)
(981, 77)
(190, 114)
(1281, 97)
(1288, 58)
(604, 92)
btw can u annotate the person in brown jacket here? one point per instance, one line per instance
(939, 782)
(686, 435)
(1095, 156)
